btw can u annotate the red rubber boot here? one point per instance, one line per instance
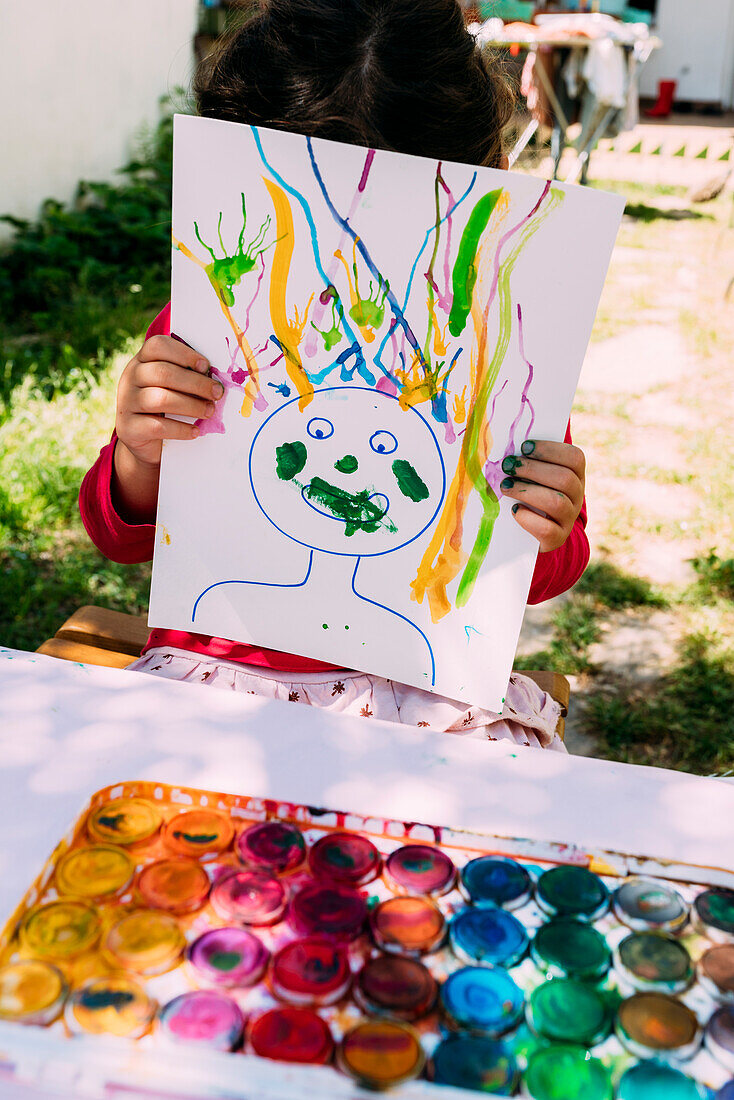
(664, 105)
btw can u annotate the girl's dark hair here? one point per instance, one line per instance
(390, 74)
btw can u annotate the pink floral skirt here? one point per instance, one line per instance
(529, 716)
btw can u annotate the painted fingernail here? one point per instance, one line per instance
(201, 365)
(507, 484)
(210, 408)
(514, 509)
(217, 389)
(195, 433)
(510, 464)
(528, 447)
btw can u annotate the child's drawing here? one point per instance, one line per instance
(388, 329)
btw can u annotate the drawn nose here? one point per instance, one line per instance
(346, 465)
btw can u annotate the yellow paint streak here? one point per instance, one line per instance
(252, 386)
(443, 558)
(289, 333)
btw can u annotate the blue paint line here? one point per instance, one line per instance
(260, 584)
(397, 615)
(309, 218)
(394, 304)
(447, 215)
(472, 629)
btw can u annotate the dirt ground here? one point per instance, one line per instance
(654, 414)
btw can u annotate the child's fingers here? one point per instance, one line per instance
(562, 454)
(155, 400)
(166, 349)
(561, 478)
(170, 376)
(161, 427)
(549, 535)
(551, 501)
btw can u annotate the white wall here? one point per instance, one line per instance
(697, 36)
(78, 78)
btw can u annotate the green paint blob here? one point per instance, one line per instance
(346, 465)
(196, 838)
(653, 959)
(568, 1011)
(572, 892)
(465, 269)
(226, 272)
(225, 960)
(290, 459)
(409, 482)
(568, 948)
(357, 511)
(567, 1073)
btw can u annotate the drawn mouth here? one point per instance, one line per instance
(362, 511)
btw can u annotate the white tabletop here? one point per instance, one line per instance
(68, 730)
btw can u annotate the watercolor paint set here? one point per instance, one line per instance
(390, 952)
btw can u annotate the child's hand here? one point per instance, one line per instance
(165, 376)
(550, 477)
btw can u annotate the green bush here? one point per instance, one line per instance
(81, 280)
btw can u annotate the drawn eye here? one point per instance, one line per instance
(318, 428)
(384, 443)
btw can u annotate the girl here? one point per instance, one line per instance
(390, 74)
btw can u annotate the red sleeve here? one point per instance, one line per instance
(113, 536)
(558, 570)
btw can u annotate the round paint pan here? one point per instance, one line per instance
(656, 1081)
(204, 1018)
(395, 986)
(31, 992)
(716, 972)
(654, 961)
(228, 958)
(124, 822)
(713, 914)
(419, 869)
(568, 1072)
(60, 930)
(490, 937)
(112, 1005)
(496, 881)
(345, 857)
(311, 971)
(145, 941)
(568, 1011)
(100, 871)
(473, 1062)
(327, 909)
(567, 948)
(656, 1025)
(174, 885)
(483, 1000)
(719, 1036)
(292, 1035)
(381, 1054)
(271, 846)
(198, 834)
(408, 925)
(249, 897)
(648, 906)
(572, 892)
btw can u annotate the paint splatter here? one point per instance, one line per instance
(358, 511)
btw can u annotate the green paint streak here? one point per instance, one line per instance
(346, 465)
(226, 272)
(465, 272)
(332, 336)
(196, 838)
(409, 482)
(475, 422)
(358, 512)
(290, 459)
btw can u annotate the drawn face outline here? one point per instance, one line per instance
(417, 420)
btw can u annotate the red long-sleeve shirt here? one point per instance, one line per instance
(129, 543)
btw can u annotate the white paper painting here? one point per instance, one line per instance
(387, 329)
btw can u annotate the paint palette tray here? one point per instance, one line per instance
(397, 955)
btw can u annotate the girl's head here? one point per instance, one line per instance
(390, 74)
